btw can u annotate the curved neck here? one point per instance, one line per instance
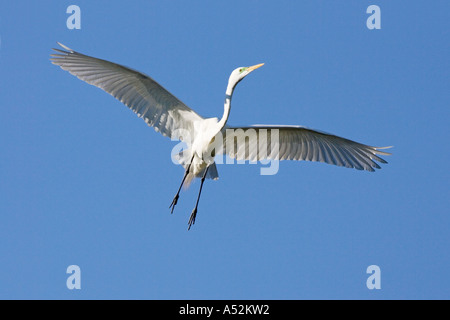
(227, 105)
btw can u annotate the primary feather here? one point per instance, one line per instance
(139, 92)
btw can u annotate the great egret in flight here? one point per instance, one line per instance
(168, 115)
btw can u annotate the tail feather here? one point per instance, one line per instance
(184, 160)
(211, 174)
(188, 180)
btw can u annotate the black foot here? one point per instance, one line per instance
(174, 202)
(192, 218)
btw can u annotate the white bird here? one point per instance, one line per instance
(172, 118)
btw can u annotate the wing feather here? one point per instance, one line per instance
(300, 143)
(143, 95)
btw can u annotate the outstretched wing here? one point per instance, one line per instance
(149, 100)
(299, 143)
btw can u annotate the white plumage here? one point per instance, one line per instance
(172, 118)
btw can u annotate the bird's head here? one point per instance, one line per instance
(240, 73)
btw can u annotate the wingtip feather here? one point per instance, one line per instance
(63, 46)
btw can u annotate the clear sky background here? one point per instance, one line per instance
(85, 182)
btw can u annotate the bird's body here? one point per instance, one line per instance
(200, 145)
(207, 137)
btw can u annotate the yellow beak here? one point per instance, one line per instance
(250, 69)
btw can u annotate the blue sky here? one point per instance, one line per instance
(85, 182)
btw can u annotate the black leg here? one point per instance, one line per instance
(175, 199)
(194, 212)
